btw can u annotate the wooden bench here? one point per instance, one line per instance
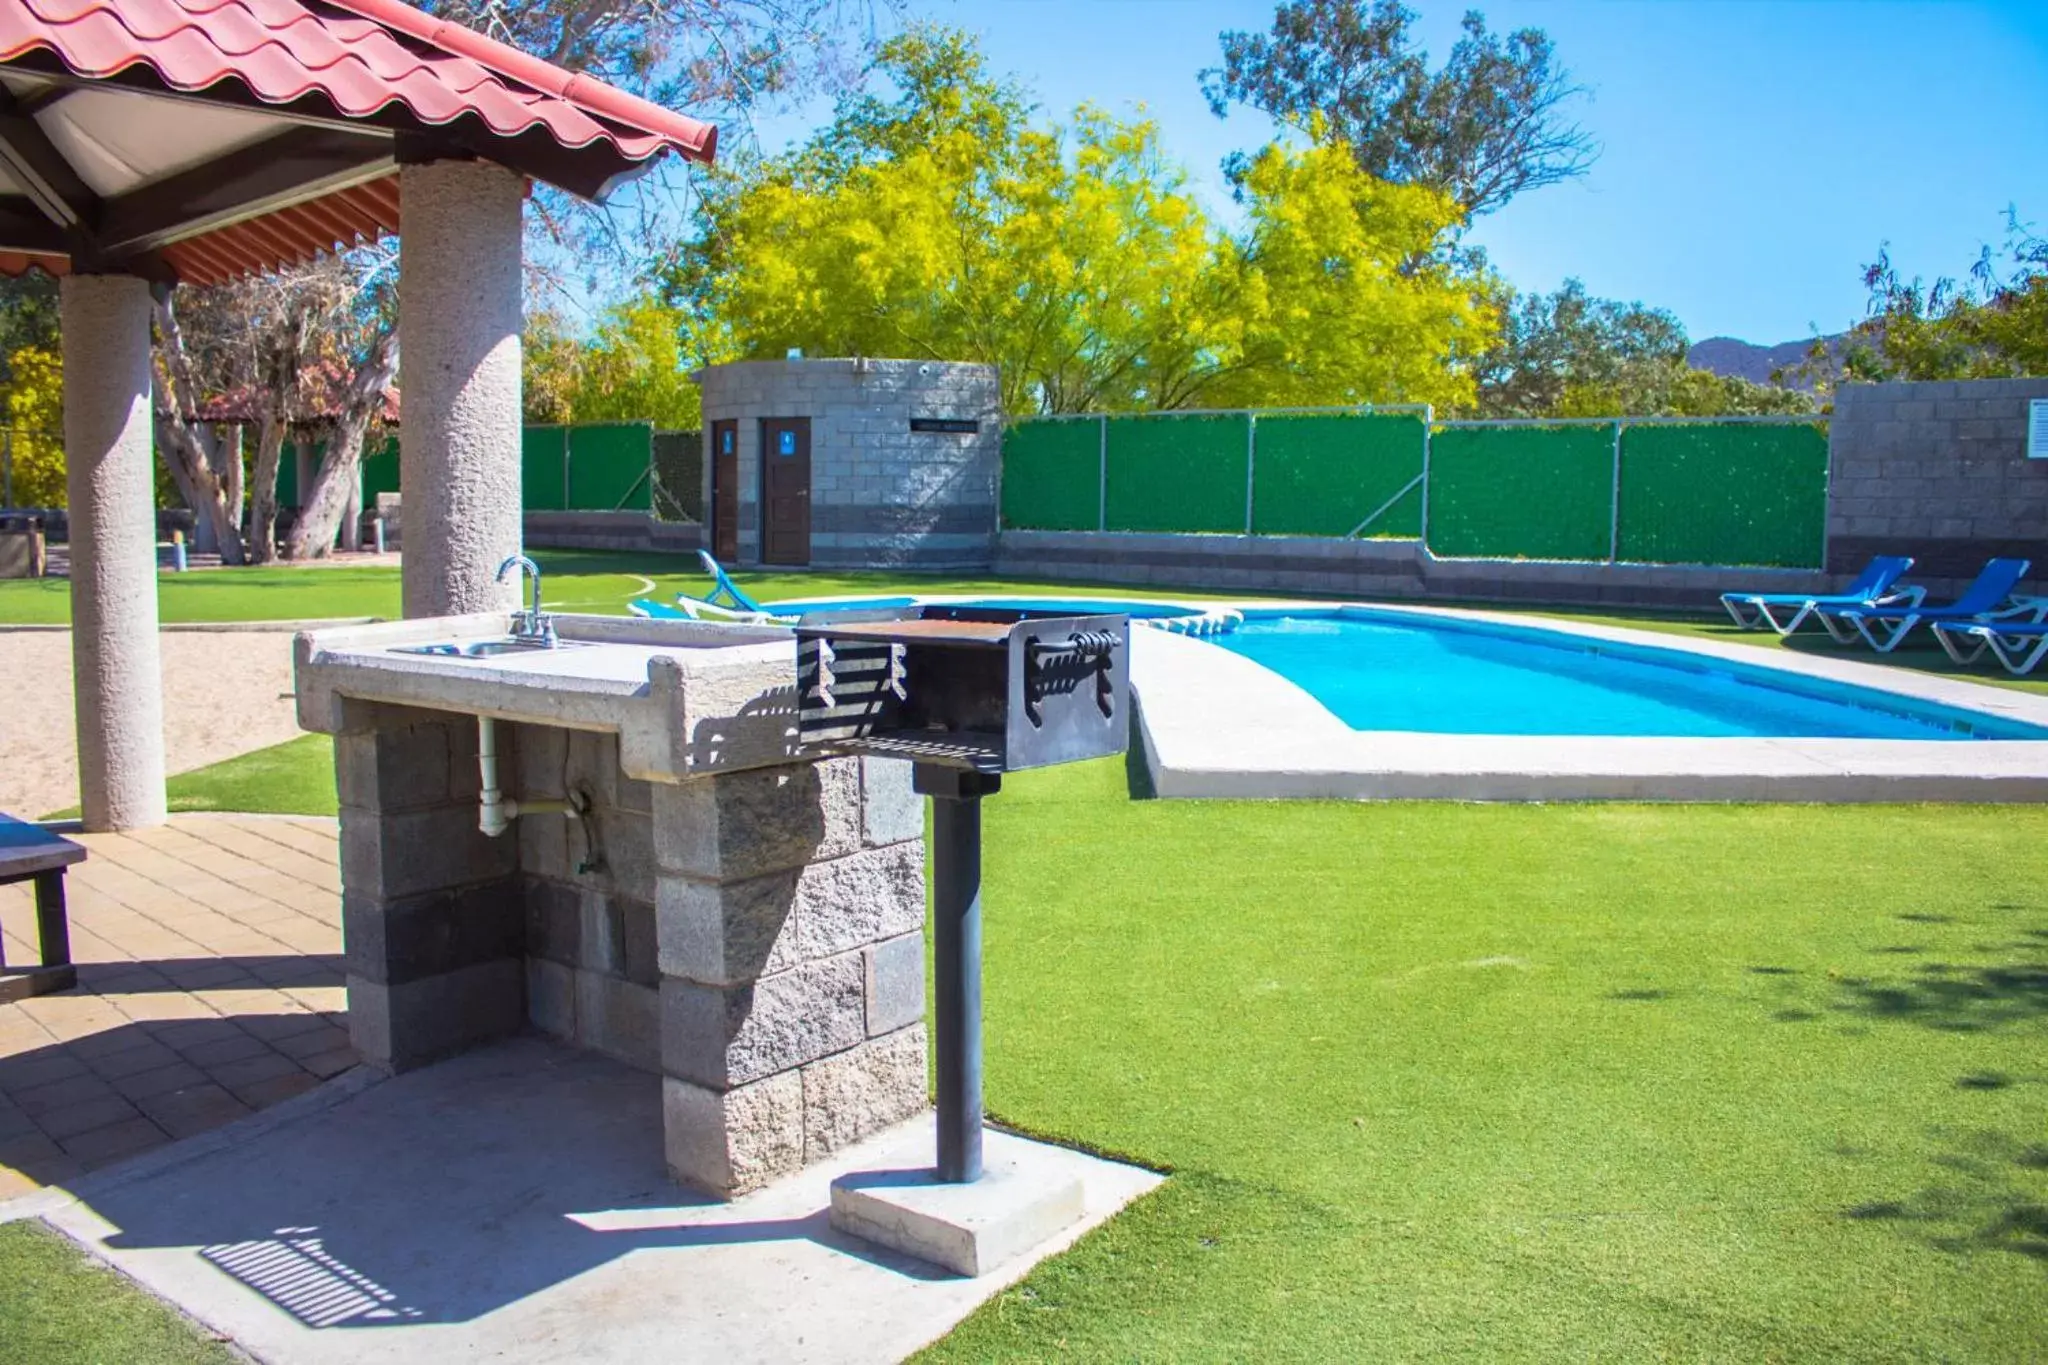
(31, 853)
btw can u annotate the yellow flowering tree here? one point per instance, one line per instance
(945, 224)
(35, 417)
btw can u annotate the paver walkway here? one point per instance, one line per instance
(210, 985)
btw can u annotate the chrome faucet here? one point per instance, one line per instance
(532, 625)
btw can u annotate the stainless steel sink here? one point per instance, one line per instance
(487, 649)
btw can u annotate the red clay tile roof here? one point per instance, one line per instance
(358, 57)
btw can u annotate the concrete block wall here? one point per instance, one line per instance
(882, 495)
(753, 939)
(1378, 569)
(633, 531)
(1939, 471)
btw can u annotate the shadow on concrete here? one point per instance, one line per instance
(211, 973)
(104, 1097)
(449, 1192)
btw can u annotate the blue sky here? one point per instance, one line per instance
(1755, 153)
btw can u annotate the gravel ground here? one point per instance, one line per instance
(225, 693)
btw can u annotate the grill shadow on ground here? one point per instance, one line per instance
(443, 1195)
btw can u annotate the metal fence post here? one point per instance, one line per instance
(1614, 502)
(1102, 476)
(1251, 456)
(1428, 433)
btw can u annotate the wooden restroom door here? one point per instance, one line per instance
(725, 490)
(785, 490)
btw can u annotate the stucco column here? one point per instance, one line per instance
(116, 670)
(459, 318)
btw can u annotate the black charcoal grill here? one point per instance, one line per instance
(966, 694)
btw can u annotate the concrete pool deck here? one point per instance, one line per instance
(1216, 724)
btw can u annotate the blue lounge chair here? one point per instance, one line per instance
(725, 601)
(2017, 645)
(656, 611)
(1874, 587)
(1988, 599)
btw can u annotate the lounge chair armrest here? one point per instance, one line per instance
(2023, 609)
(1904, 597)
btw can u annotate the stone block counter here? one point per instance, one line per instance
(684, 893)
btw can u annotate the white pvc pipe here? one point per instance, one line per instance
(494, 813)
(495, 810)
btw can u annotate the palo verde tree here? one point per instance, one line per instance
(942, 220)
(1488, 125)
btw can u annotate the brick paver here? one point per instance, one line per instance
(209, 986)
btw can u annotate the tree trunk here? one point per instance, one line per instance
(336, 491)
(216, 508)
(263, 497)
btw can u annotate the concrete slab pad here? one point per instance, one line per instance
(1028, 1193)
(512, 1205)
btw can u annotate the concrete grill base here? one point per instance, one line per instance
(512, 1205)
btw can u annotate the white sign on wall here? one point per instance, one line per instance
(2037, 428)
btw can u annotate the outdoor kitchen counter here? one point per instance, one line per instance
(684, 697)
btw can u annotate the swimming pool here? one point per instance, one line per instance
(1386, 670)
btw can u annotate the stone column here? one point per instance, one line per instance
(116, 670)
(459, 297)
(789, 920)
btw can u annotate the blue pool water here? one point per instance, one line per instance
(1384, 671)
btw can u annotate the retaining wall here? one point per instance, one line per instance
(637, 531)
(1396, 569)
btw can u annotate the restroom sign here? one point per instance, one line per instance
(2037, 429)
(785, 443)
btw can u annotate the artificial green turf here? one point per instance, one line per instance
(292, 778)
(1526, 1082)
(574, 580)
(1523, 1082)
(60, 1307)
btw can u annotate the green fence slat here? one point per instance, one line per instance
(1177, 473)
(1052, 476)
(608, 466)
(287, 474)
(380, 471)
(1321, 474)
(543, 483)
(1521, 492)
(1724, 493)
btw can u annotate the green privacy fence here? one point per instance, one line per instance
(1696, 493)
(1722, 491)
(596, 467)
(1267, 473)
(1521, 492)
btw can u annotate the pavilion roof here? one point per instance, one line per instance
(207, 139)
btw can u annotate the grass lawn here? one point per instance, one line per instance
(1445, 1081)
(60, 1307)
(575, 580)
(1527, 1082)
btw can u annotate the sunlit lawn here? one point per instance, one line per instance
(1441, 1081)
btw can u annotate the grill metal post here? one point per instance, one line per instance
(956, 933)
